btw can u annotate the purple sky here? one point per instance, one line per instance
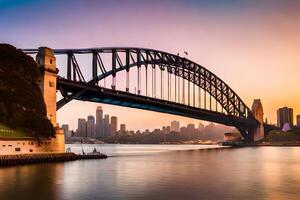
(252, 45)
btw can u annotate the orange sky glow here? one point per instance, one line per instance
(253, 47)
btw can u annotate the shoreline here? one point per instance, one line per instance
(208, 144)
(272, 145)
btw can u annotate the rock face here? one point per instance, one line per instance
(21, 103)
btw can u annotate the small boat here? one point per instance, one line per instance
(94, 152)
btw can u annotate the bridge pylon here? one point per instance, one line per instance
(47, 82)
(258, 113)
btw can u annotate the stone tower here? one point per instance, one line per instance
(258, 113)
(47, 80)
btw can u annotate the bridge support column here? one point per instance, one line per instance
(257, 111)
(47, 82)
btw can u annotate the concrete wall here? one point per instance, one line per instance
(10, 146)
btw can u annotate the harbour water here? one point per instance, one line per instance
(160, 172)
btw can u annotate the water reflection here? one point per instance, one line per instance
(246, 173)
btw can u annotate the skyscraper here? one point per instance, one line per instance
(90, 126)
(284, 115)
(81, 131)
(200, 127)
(99, 122)
(106, 126)
(190, 128)
(114, 124)
(175, 126)
(298, 120)
(166, 129)
(123, 128)
(65, 128)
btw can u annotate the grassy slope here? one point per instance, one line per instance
(7, 132)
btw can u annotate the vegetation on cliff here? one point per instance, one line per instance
(22, 106)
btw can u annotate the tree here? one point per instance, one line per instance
(21, 102)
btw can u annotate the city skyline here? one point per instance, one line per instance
(284, 115)
(263, 37)
(81, 129)
(87, 128)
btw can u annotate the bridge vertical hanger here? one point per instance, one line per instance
(227, 101)
(161, 81)
(205, 83)
(216, 94)
(194, 95)
(146, 69)
(94, 65)
(153, 80)
(189, 78)
(199, 86)
(210, 91)
(169, 91)
(179, 85)
(189, 81)
(222, 98)
(183, 85)
(127, 69)
(114, 63)
(69, 66)
(74, 68)
(168, 84)
(138, 55)
(175, 80)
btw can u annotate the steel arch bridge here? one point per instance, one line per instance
(192, 90)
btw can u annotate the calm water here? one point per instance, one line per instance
(160, 172)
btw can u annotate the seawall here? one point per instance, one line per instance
(23, 159)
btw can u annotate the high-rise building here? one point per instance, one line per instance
(190, 128)
(123, 128)
(200, 127)
(114, 124)
(166, 129)
(65, 128)
(81, 131)
(99, 122)
(298, 120)
(106, 126)
(90, 127)
(175, 126)
(284, 115)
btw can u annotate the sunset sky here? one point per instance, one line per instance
(253, 45)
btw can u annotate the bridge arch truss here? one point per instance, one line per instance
(183, 70)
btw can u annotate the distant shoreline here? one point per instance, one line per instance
(164, 143)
